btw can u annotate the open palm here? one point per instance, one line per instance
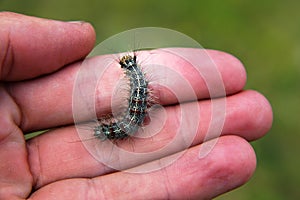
(38, 65)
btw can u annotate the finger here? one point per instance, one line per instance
(15, 176)
(31, 47)
(211, 73)
(248, 115)
(229, 165)
(52, 95)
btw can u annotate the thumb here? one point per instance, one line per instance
(32, 46)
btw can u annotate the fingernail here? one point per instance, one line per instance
(76, 22)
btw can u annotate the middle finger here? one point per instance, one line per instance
(59, 154)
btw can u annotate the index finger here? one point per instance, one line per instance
(57, 104)
(31, 46)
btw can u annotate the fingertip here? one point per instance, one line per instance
(87, 31)
(242, 162)
(262, 112)
(33, 46)
(232, 70)
(242, 158)
(248, 115)
(231, 164)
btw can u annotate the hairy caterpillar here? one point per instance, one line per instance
(99, 138)
(136, 110)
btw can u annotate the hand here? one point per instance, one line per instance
(38, 68)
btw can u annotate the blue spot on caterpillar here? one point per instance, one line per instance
(136, 110)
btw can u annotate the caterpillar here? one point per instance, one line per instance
(136, 110)
(142, 96)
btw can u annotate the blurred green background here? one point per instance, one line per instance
(264, 35)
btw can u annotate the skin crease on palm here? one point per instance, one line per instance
(46, 167)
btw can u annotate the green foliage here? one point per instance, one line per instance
(265, 35)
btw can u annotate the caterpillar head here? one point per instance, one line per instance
(128, 62)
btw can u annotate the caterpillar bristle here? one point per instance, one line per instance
(136, 111)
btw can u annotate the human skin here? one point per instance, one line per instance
(39, 59)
